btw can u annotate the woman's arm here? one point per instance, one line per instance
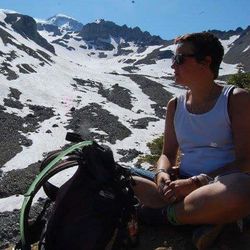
(239, 113)
(170, 146)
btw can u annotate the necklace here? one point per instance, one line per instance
(207, 103)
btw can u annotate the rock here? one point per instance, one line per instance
(128, 155)
(155, 91)
(50, 28)
(15, 93)
(142, 123)
(94, 116)
(26, 142)
(26, 26)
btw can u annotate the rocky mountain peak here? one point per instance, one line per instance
(24, 25)
(101, 29)
(225, 35)
(65, 22)
(99, 21)
(27, 27)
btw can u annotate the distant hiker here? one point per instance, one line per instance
(210, 125)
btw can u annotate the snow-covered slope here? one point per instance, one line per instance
(51, 83)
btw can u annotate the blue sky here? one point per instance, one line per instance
(167, 18)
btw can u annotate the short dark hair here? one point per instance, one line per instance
(205, 44)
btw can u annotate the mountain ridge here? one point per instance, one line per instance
(103, 30)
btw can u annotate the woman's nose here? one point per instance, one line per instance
(173, 65)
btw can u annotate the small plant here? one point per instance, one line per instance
(155, 148)
(240, 79)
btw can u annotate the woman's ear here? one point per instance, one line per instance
(206, 61)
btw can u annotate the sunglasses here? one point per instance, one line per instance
(180, 58)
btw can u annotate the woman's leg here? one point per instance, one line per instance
(224, 201)
(147, 174)
(147, 193)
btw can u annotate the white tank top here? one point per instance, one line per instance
(205, 140)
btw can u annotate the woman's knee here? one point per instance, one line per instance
(237, 184)
(239, 187)
(147, 193)
(229, 192)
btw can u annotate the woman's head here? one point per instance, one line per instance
(204, 45)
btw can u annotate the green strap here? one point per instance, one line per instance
(35, 186)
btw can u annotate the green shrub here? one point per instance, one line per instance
(155, 148)
(241, 80)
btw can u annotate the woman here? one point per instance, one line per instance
(210, 125)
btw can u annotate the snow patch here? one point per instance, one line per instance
(228, 43)
(10, 203)
(246, 49)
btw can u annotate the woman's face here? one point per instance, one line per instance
(186, 68)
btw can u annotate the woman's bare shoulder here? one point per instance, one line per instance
(240, 91)
(240, 97)
(239, 106)
(172, 104)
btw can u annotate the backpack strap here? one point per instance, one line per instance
(47, 172)
(50, 189)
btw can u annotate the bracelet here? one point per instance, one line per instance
(205, 179)
(161, 170)
(196, 181)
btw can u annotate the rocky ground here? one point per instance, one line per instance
(150, 237)
(180, 238)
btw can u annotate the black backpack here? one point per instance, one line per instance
(92, 209)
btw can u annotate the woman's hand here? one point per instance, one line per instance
(177, 190)
(162, 179)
